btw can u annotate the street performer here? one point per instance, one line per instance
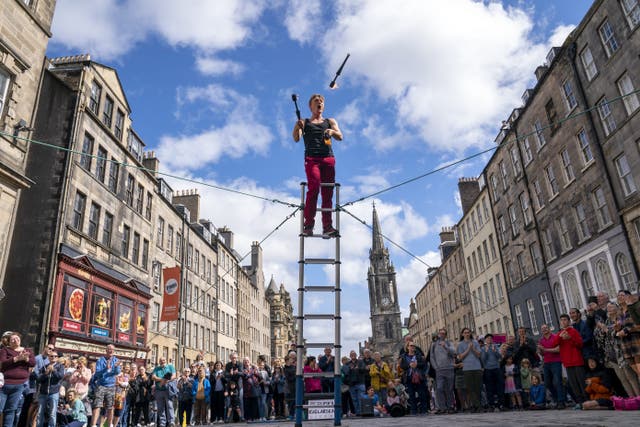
(319, 163)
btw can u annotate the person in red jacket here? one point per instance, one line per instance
(570, 343)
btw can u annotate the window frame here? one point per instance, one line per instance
(94, 220)
(608, 38)
(588, 63)
(627, 180)
(626, 90)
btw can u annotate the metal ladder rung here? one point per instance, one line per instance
(319, 345)
(318, 375)
(319, 261)
(325, 209)
(329, 184)
(319, 316)
(317, 396)
(320, 288)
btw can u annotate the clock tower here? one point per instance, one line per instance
(386, 326)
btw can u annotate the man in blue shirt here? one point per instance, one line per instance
(162, 375)
(586, 333)
(107, 369)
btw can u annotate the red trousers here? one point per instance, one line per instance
(319, 169)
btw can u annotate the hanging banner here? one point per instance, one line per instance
(171, 299)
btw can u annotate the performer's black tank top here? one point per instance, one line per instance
(314, 145)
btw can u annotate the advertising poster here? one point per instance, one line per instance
(171, 295)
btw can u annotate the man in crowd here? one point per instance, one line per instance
(368, 361)
(524, 348)
(354, 377)
(326, 362)
(233, 371)
(552, 368)
(162, 374)
(48, 386)
(107, 369)
(442, 356)
(43, 360)
(586, 333)
(493, 376)
(570, 343)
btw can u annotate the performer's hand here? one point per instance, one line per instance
(300, 124)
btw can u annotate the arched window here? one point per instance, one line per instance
(573, 292)
(604, 281)
(388, 332)
(557, 291)
(587, 285)
(624, 270)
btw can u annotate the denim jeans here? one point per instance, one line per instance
(12, 394)
(165, 408)
(494, 384)
(444, 389)
(356, 391)
(48, 407)
(553, 380)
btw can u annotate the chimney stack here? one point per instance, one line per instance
(227, 236)
(469, 190)
(190, 199)
(151, 162)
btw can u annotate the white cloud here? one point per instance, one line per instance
(303, 20)
(452, 69)
(560, 34)
(232, 139)
(412, 276)
(109, 29)
(212, 66)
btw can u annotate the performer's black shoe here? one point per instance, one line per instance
(329, 232)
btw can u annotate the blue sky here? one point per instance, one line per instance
(428, 82)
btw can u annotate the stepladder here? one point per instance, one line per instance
(310, 405)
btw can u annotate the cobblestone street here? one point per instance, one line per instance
(522, 419)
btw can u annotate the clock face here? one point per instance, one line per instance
(386, 301)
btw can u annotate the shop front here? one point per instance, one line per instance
(94, 305)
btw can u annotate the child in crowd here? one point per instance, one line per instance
(393, 406)
(537, 393)
(371, 395)
(234, 401)
(511, 388)
(525, 378)
(598, 387)
(402, 392)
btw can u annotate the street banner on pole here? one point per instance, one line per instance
(171, 299)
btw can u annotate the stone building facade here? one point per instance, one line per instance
(258, 322)
(228, 273)
(283, 329)
(87, 283)
(25, 29)
(602, 56)
(386, 324)
(454, 286)
(483, 267)
(180, 239)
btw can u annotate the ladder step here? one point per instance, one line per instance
(318, 375)
(319, 345)
(317, 396)
(319, 261)
(319, 316)
(320, 288)
(325, 209)
(329, 184)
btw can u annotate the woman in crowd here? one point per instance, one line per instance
(185, 396)
(120, 398)
(200, 392)
(414, 368)
(251, 390)
(610, 348)
(142, 387)
(264, 384)
(277, 389)
(469, 353)
(598, 387)
(348, 409)
(380, 373)
(218, 386)
(628, 332)
(312, 385)
(80, 378)
(75, 410)
(15, 362)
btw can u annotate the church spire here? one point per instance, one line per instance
(378, 243)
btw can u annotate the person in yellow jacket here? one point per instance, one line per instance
(380, 373)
